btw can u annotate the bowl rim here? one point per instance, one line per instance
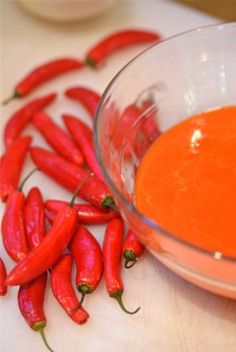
(130, 207)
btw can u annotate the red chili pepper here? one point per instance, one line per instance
(111, 116)
(132, 249)
(44, 256)
(83, 136)
(70, 175)
(50, 215)
(141, 144)
(11, 164)
(19, 120)
(3, 275)
(129, 116)
(30, 301)
(44, 73)
(13, 231)
(117, 41)
(88, 214)
(148, 131)
(112, 249)
(137, 139)
(87, 254)
(31, 294)
(57, 138)
(86, 97)
(150, 126)
(34, 218)
(63, 290)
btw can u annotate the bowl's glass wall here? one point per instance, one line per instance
(179, 78)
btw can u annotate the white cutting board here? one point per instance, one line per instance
(175, 316)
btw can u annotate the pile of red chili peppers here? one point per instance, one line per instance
(46, 237)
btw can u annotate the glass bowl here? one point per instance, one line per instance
(178, 77)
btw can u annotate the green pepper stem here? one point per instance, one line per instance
(41, 331)
(20, 188)
(79, 304)
(11, 97)
(130, 256)
(90, 62)
(118, 296)
(127, 265)
(79, 188)
(84, 289)
(108, 202)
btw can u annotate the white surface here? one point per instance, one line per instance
(175, 316)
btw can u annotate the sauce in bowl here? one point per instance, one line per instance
(186, 181)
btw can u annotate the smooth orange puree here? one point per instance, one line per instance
(186, 181)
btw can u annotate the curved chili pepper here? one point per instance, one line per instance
(148, 131)
(137, 140)
(70, 175)
(44, 73)
(31, 294)
(44, 256)
(86, 97)
(30, 301)
(117, 41)
(3, 275)
(57, 138)
(132, 249)
(150, 126)
(34, 218)
(128, 117)
(112, 249)
(63, 290)
(83, 136)
(87, 214)
(11, 164)
(13, 231)
(111, 116)
(19, 120)
(87, 254)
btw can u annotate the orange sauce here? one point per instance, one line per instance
(186, 181)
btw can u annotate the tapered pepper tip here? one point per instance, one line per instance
(10, 280)
(118, 296)
(130, 257)
(3, 292)
(4, 196)
(108, 202)
(39, 327)
(15, 95)
(90, 62)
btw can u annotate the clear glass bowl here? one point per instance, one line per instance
(182, 76)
